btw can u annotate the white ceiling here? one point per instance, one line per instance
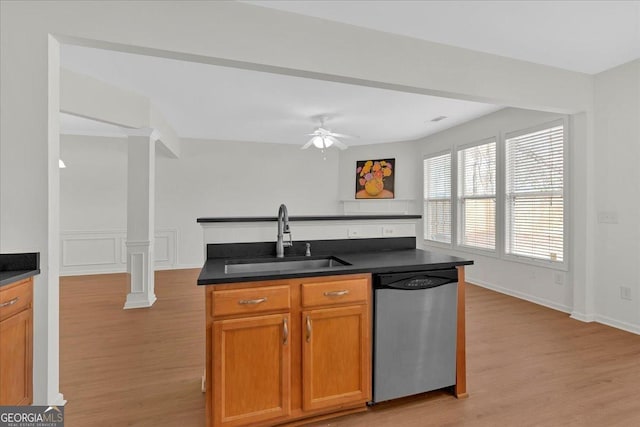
(585, 36)
(212, 102)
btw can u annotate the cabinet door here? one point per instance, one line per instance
(336, 357)
(16, 359)
(251, 369)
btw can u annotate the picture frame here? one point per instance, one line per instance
(375, 179)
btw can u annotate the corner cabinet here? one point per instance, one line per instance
(16, 343)
(280, 351)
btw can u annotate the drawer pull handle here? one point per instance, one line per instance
(308, 328)
(11, 302)
(252, 301)
(336, 293)
(285, 331)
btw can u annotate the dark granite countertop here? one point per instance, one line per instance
(386, 259)
(306, 218)
(14, 267)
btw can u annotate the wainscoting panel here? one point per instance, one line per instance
(97, 252)
(79, 250)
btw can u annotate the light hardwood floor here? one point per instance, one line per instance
(526, 365)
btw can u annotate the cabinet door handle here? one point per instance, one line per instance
(336, 293)
(285, 331)
(252, 301)
(10, 302)
(308, 328)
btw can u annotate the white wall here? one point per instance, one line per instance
(617, 186)
(228, 33)
(240, 179)
(405, 170)
(525, 281)
(211, 178)
(93, 186)
(231, 179)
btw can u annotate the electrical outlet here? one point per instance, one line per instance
(388, 231)
(558, 278)
(625, 292)
(353, 233)
(608, 217)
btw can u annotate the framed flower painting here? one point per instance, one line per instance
(375, 179)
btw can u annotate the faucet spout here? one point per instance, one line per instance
(283, 228)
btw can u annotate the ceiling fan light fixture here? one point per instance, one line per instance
(317, 142)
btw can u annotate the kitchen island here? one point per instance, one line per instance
(291, 344)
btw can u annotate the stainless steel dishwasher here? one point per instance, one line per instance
(414, 345)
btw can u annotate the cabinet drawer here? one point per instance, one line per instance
(15, 297)
(248, 301)
(334, 292)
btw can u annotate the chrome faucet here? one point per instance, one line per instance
(283, 228)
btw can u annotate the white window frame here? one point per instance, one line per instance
(460, 197)
(451, 199)
(556, 265)
(500, 252)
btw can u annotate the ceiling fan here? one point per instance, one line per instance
(323, 138)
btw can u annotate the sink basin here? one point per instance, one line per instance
(282, 264)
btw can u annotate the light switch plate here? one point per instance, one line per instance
(625, 292)
(608, 217)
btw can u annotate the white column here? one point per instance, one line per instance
(141, 169)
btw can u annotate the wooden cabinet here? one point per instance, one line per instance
(336, 357)
(285, 350)
(16, 343)
(251, 358)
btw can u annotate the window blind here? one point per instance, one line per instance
(437, 198)
(534, 200)
(477, 196)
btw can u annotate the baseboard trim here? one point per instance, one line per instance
(587, 318)
(179, 267)
(521, 295)
(93, 271)
(625, 326)
(605, 320)
(124, 270)
(139, 300)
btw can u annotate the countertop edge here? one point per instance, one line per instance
(306, 218)
(332, 272)
(17, 275)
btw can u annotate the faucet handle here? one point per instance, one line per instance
(288, 244)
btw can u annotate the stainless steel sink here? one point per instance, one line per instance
(264, 265)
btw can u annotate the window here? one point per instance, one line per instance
(477, 196)
(504, 196)
(534, 199)
(437, 198)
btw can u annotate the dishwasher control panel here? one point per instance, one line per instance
(415, 280)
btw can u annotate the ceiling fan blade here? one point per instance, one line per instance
(341, 135)
(337, 143)
(307, 145)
